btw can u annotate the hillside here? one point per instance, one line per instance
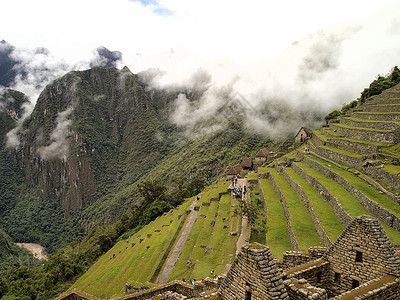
(304, 199)
(91, 138)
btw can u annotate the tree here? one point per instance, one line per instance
(152, 190)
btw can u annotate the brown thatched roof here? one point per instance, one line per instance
(247, 162)
(235, 170)
(262, 153)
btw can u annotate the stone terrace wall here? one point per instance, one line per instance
(343, 216)
(374, 125)
(393, 180)
(360, 148)
(348, 160)
(373, 207)
(293, 239)
(368, 135)
(299, 190)
(378, 117)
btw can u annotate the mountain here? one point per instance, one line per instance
(298, 205)
(92, 137)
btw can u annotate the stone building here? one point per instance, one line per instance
(261, 156)
(302, 135)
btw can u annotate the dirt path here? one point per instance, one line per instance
(243, 234)
(169, 265)
(37, 250)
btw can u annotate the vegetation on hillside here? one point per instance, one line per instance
(376, 87)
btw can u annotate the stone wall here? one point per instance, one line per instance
(179, 287)
(253, 274)
(368, 135)
(299, 190)
(371, 124)
(361, 253)
(315, 272)
(345, 159)
(317, 140)
(343, 216)
(300, 289)
(389, 291)
(293, 239)
(373, 207)
(360, 148)
(377, 117)
(292, 259)
(379, 174)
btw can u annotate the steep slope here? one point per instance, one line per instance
(92, 136)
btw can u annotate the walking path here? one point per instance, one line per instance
(243, 234)
(169, 265)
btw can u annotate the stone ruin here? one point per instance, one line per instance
(360, 264)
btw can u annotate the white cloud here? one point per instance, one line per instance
(312, 52)
(59, 138)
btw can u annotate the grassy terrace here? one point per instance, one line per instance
(344, 152)
(365, 142)
(361, 128)
(107, 277)
(252, 176)
(302, 223)
(362, 186)
(347, 200)
(393, 150)
(324, 212)
(277, 233)
(370, 121)
(321, 135)
(331, 132)
(203, 236)
(257, 232)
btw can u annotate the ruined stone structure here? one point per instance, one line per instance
(302, 135)
(360, 264)
(261, 156)
(253, 275)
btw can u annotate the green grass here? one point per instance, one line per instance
(362, 186)
(344, 152)
(370, 121)
(252, 176)
(321, 135)
(361, 128)
(393, 150)
(365, 142)
(331, 132)
(108, 275)
(258, 230)
(347, 200)
(324, 212)
(277, 230)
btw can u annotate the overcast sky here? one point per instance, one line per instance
(319, 51)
